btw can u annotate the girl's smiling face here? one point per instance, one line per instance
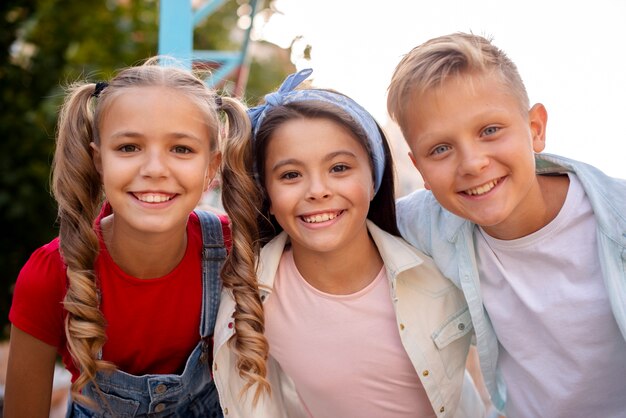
(319, 181)
(154, 158)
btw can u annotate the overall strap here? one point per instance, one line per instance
(213, 256)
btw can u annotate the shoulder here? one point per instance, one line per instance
(194, 221)
(607, 194)
(39, 291)
(420, 204)
(416, 214)
(44, 261)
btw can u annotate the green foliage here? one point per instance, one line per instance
(44, 46)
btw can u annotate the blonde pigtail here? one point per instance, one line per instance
(77, 188)
(242, 199)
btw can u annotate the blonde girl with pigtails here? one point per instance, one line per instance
(128, 292)
(326, 311)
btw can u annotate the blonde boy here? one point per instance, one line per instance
(537, 242)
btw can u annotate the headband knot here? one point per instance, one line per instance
(287, 93)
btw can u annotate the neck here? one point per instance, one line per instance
(340, 272)
(144, 256)
(548, 195)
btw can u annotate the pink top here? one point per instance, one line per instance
(343, 352)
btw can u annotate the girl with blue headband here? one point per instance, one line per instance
(326, 311)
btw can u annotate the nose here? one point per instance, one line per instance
(473, 160)
(318, 189)
(154, 164)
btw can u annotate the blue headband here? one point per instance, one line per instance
(286, 94)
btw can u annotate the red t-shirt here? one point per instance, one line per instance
(152, 325)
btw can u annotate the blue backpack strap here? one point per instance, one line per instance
(213, 256)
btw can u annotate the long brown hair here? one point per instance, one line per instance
(246, 202)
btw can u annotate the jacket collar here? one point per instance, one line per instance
(396, 253)
(599, 196)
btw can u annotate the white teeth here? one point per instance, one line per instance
(153, 198)
(482, 189)
(323, 217)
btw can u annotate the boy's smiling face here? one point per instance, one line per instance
(474, 146)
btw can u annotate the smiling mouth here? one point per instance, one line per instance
(321, 217)
(482, 189)
(153, 197)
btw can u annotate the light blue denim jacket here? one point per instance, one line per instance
(449, 240)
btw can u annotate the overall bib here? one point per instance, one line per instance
(190, 394)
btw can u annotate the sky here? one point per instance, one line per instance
(570, 54)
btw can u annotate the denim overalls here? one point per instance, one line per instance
(191, 394)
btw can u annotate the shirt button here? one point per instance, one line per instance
(461, 326)
(215, 367)
(230, 325)
(160, 389)
(401, 326)
(442, 409)
(425, 373)
(159, 408)
(225, 411)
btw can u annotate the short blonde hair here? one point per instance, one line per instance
(430, 64)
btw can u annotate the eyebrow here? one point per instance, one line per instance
(328, 157)
(134, 134)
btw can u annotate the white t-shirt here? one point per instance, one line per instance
(561, 352)
(343, 352)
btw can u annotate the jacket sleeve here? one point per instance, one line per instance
(414, 219)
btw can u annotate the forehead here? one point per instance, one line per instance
(311, 137)
(460, 99)
(142, 97)
(152, 110)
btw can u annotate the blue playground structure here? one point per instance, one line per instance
(177, 20)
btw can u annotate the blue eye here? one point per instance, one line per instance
(491, 130)
(181, 149)
(440, 149)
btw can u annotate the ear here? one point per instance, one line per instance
(538, 120)
(214, 165)
(412, 157)
(96, 157)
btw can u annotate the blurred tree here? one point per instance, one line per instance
(45, 45)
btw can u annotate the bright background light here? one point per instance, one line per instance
(571, 56)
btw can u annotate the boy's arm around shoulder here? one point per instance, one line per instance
(416, 215)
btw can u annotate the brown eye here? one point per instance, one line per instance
(128, 148)
(339, 168)
(290, 175)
